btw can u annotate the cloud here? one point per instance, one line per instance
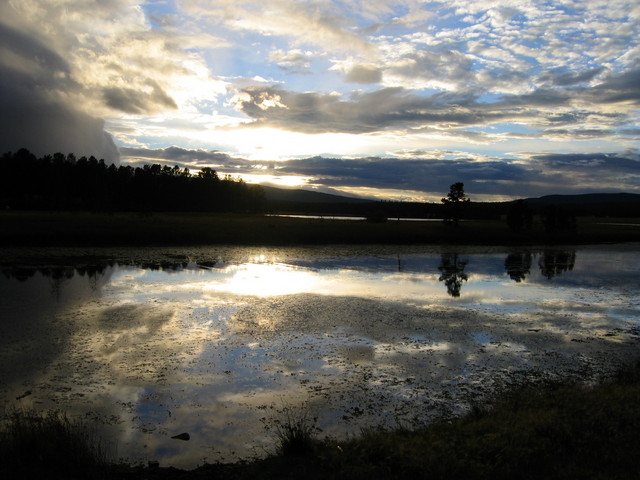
(569, 78)
(364, 74)
(401, 110)
(64, 66)
(438, 68)
(185, 158)
(305, 22)
(602, 101)
(380, 110)
(589, 173)
(429, 174)
(516, 177)
(294, 61)
(133, 101)
(35, 115)
(379, 76)
(620, 88)
(604, 164)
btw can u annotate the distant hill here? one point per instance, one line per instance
(588, 198)
(592, 204)
(308, 202)
(297, 195)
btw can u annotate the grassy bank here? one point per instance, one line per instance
(50, 445)
(130, 229)
(551, 432)
(557, 432)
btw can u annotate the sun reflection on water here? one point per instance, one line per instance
(264, 279)
(212, 348)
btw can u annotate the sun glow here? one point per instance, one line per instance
(264, 280)
(281, 181)
(277, 145)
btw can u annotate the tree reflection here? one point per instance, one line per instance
(556, 262)
(453, 275)
(21, 274)
(518, 265)
(58, 276)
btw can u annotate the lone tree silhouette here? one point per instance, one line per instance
(453, 203)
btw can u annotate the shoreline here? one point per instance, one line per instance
(82, 229)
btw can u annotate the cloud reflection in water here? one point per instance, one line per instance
(217, 348)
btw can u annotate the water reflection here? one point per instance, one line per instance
(453, 275)
(261, 275)
(556, 262)
(215, 341)
(518, 265)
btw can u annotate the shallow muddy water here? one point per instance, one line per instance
(221, 342)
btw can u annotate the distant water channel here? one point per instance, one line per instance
(221, 342)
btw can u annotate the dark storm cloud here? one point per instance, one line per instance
(538, 175)
(29, 50)
(185, 158)
(596, 163)
(134, 101)
(571, 78)
(34, 82)
(384, 109)
(397, 108)
(623, 87)
(516, 177)
(619, 88)
(426, 175)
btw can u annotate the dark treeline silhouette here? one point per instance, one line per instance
(64, 182)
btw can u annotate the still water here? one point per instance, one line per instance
(221, 342)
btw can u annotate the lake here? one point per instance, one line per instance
(223, 343)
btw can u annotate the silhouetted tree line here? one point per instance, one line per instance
(64, 182)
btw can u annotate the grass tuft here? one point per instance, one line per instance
(295, 433)
(49, 444)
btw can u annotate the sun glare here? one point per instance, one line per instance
(282, 181)
(276, 145)
(264, 280)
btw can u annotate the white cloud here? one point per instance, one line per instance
(295, 61)
(306, 22)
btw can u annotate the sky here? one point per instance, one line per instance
(384, 99)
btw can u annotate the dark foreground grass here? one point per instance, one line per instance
(50, 445)
(167, 229)
(557, 432)
(551, 432)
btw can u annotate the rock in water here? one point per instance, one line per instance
(183, 436)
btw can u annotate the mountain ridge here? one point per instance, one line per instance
(300, 195)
